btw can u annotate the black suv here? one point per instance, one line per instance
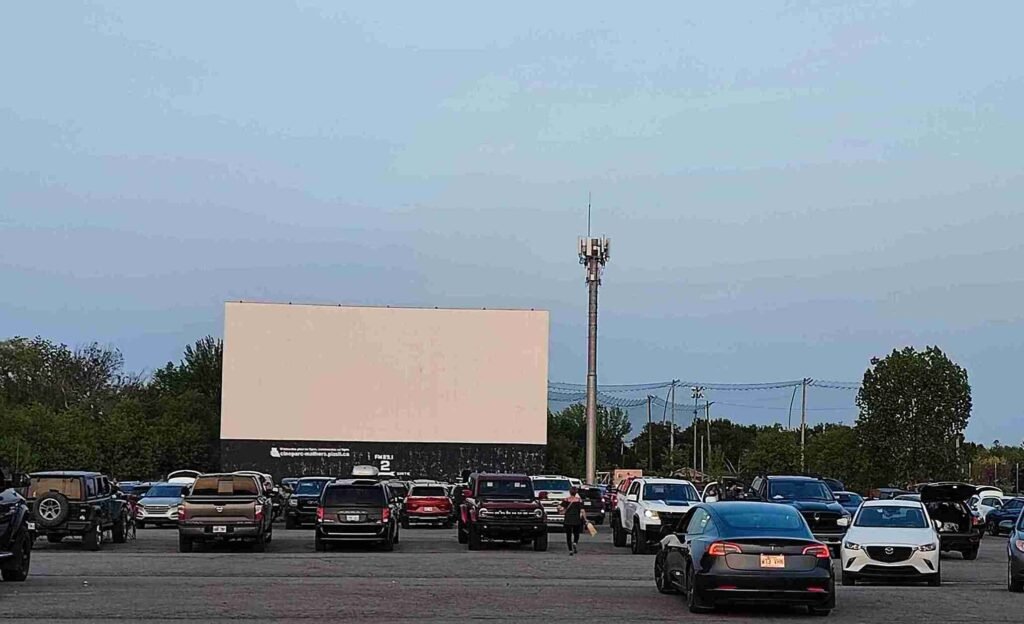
(815, 501)
(959, 530)
(357, 510)
(71, 503)
(304, 500)
(15, 529)
(501, 507)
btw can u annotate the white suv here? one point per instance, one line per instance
(891, 539)
(647, 506)
(551, 490)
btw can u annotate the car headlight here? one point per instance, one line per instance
(843, 522)
(1019, 544)
(484, 513)
(539, 513)
(650, 513)
(851, 546)
(292, 502)
(927, 547)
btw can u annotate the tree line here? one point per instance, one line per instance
(63, 408)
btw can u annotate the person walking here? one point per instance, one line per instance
(572, 510)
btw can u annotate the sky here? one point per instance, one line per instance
(791, 188)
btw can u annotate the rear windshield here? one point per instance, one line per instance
(892, 517)
(782, 521)
(343, 495)
(70, 487)
(798, 490)
(593, 493)
(312, 487)
(231, 485)
(551, 485)
(428, 490)
(505, 488)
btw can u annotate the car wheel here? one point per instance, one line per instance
(51, 510)
(847, 579)
(318, 544)
(1013, 585)
(463, 536)
(185, 543)
(388, 544)
(119, 531)
(970, 554)
(474, 538)
(405, 523)
(993, 528)
(935, 580)
(661, 578)
(16, 570)
(694, 601)
(540, 543)
(819, 612)
(93, 538)
(260, 545)
(639, 539)
(618, 534)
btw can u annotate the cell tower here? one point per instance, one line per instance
(593, 255)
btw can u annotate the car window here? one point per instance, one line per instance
(990, 502)
(1011, 505)
(90, 487)
(760, 520)
(428, 490)
(71, 487)
(226, 485)
(552, 485)
(698, 521)
(634, 488)
(341, 495)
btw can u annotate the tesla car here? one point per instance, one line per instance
(745, 552)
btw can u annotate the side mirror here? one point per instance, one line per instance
(632, 498)
(710, 499)
(467, 493)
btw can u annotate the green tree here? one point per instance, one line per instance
(774, 450)
(567, 435)
(914, 407)
(832, 451)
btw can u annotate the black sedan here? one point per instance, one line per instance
(747, 553)
(1015, 557)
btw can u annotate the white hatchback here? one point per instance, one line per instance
(889, 540)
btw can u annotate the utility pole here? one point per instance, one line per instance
(803, 421)
(697, 392)
(593, 254)
(650, 437)
(672, 426)
(707, 423)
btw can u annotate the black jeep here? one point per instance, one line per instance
(501, 507)
(813, 498)
(15, 529)
(85, 504)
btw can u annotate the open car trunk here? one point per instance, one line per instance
(950, 516)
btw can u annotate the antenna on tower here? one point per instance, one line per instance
(588, 214)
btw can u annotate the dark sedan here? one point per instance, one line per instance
(745, 552)
(1015, 555)
(998, 519)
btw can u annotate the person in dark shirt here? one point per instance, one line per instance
(572, 507)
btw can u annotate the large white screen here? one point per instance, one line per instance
(310, 372)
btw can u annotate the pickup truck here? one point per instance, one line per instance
(812, 497)
(501, 507)
(648, 505)
(225, 507)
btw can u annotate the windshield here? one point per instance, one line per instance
(165, 491)
(228, 485)
(70, 487)
(312, 487)
(551, 485)
(799, 490)
(849, 499)
(892, 517)
(505, 488)
(435, 491)
(343, 495)
(670, 492)
(782, 521)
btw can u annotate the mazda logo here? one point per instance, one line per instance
(888, 550)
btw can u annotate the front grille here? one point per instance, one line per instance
(515, 515)
(889, 554)
(821, 520)
(886, 571)
(670, 519)
(156, 509)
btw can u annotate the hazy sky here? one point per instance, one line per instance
(791, 188)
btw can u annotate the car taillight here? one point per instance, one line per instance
(412, 505)
(259, 514)
(182, 514)
(818, 550)
(976, 520)
(720, 549)
(385, 514)
(319, 514)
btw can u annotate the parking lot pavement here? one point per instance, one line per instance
(431, 577)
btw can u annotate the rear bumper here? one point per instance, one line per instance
(812, 588)
(72, 527)
(232, 531)
(353, 532)
(959, 541)
(435, 517)
(302, 516)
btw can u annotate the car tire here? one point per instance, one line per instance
(540, 543)
(1012, 585)
(694, 602)
(819, 612)
(847, 579)
(618, 534)
(935, 580)
(185, 543)
(474, 539)
(405, 523)
(993, 529)
(318, 544)
(639, 545)
(119, 532)
(388, 544)
(51, 510)
(970, 554)
(93, 538)
(661, 577)
(463, 537)
(447, 525)
(16, 570)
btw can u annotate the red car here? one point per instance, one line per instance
(427, 505)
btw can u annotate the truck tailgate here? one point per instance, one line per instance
(217, 510)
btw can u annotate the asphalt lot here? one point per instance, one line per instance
(430, 577)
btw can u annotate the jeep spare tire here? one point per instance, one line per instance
(51, 509)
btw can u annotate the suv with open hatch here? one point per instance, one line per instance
(814, 499)
(959, 529)
(226, 507)
(501, 507)
(77, 504)
(357, 510)
(15, 529)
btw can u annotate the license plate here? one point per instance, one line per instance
(352, 518)
(31, 526)
(773, 561)
(428, 509)
(220, 529)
